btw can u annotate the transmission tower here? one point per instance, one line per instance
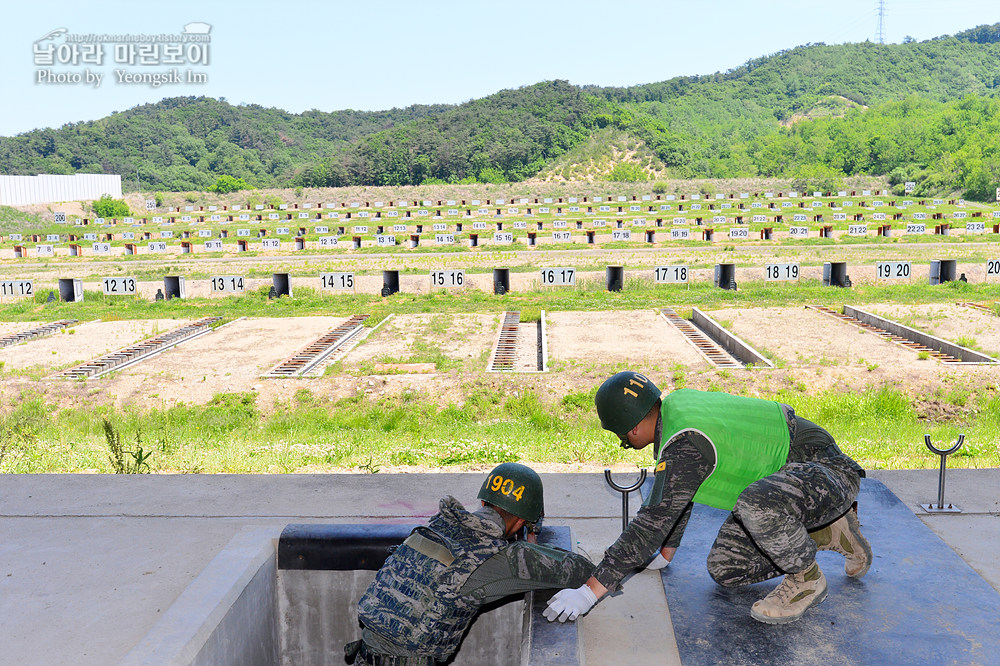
(880, 31)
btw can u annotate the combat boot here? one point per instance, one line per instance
(844, 536)
(793, 597)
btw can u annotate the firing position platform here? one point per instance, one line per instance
(920, 603)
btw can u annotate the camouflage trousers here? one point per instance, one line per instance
(767, 533)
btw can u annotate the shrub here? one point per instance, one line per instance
(227, 184)
(492, 175)
(111, 208)
(626, 172)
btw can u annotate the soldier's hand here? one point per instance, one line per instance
(570, 603)
(662, 559)
(657, 563)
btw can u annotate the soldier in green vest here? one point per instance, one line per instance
(428, 591)
(789, 488)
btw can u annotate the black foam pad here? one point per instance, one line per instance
(920, 603)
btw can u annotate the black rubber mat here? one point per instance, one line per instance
(919, 603)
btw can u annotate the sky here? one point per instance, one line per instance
(299, 55)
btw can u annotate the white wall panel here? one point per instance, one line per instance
(45, 188)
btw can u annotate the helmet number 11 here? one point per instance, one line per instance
(499, 484)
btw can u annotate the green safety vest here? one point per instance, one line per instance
(750, 437)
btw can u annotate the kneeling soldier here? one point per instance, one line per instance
(427, 592)
(788, 486)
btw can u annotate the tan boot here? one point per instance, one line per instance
(845, 537)
(796, 594)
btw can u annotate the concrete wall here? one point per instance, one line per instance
(318, 614)
(243, 610)
(927, 340)
(226, 615)
(729, 342)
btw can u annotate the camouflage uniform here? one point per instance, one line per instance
(420, 603)
(766, 534)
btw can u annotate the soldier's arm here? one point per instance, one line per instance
(674, 538)
(682, 467)
(522, 567)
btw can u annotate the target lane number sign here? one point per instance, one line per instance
(17, 288)
(447, 279)
(670, 274)
(228, 284)
(776, 272)
(892, 270)
(993, 268)
(119, 286)
(557, 277)
(337, 281)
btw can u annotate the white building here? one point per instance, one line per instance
(23, 190)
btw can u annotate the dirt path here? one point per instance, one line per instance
(83, 342)
(228, 360)
(635, 338)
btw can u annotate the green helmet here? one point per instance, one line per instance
(516, 489)
(624, 400)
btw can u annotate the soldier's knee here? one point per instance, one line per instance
(724, 576)
(749, 510)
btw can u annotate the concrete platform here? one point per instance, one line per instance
(88, 564)
(919, 602)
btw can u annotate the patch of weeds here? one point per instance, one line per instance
(580, 400)
(124, 460)
(967, 342)
(18, 432)
(471, 451)
(869, 366)
(958, 397)
(923, 355)
(304, 397)
(369, 467)
(406, 457)
(678, 375)
(530, 315)
(775, 360)
(529, 407)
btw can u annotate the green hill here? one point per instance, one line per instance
(919, 110)
(185, 143)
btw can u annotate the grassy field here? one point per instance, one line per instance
(881, 429)
(491, 418)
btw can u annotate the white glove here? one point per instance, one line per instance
(570, 603)
(658, 562)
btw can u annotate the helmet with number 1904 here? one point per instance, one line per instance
(623, 400)
(515, 488)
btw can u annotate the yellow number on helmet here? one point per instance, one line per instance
(496, 482)
(517, 493)
(508, 486)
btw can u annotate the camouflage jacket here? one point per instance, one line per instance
(424, 597)
(681, 468)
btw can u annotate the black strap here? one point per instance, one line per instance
(351, 651)
(366, 656)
